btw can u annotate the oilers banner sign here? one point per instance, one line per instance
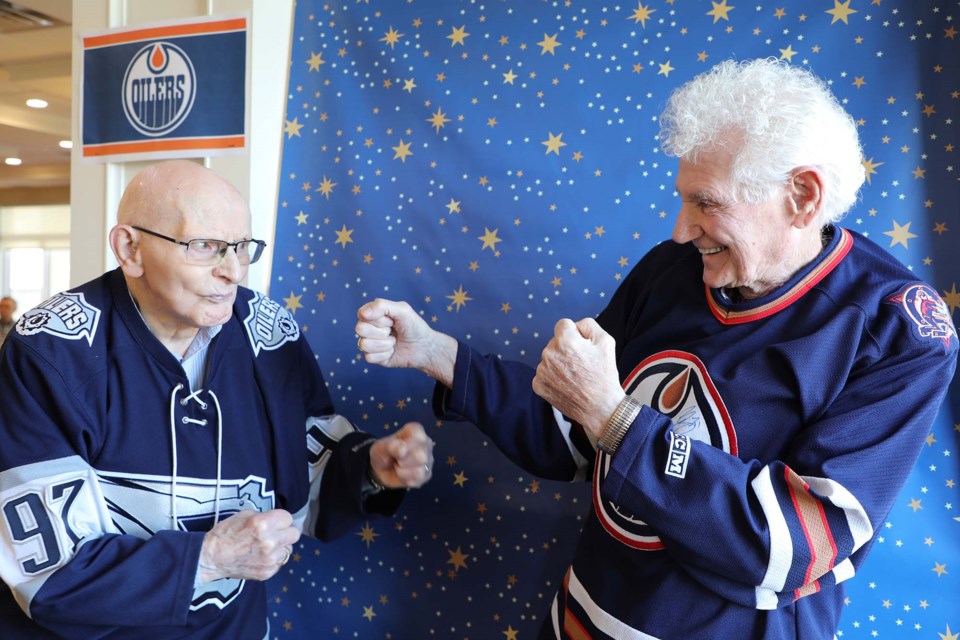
(177, 89)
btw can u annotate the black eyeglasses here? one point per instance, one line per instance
(207, 252)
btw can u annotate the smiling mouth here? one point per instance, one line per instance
(710, 252)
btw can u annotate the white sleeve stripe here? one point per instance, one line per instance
(781, 544)
(578, 459)
(843, 571)
(331, 429)
(602, 620)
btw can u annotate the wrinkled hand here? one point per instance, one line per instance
(578, 374)
(392, 334)
(249, 545)
(403, 460)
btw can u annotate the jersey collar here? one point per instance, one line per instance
(807, 278)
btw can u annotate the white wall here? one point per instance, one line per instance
(95, 188)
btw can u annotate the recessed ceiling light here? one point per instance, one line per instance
(37, 103)
(66, 144)
(13, 161)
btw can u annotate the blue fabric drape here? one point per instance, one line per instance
(496, 165)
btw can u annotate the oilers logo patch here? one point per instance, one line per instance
(159, 87)
(927, 311)
(65, 315)
(269, 325)
(676, 384)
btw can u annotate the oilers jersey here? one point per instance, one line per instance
(112, 468)
(774, 437)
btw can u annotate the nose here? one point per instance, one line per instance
(686, 227)
(229, 267)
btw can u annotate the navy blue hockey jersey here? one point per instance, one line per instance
(774, 438)
(112, 468)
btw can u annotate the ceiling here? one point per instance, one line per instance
(35, 62)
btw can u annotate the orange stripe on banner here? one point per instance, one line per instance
(219, 26)
(163, 145)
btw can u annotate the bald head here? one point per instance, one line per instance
(164, 209)
(167, 194)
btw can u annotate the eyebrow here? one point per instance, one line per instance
(699, 195)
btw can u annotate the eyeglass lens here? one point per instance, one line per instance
(212, 251)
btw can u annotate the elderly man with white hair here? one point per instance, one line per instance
(750, 402)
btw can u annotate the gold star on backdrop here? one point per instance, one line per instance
(871, 167)
(554, 143)
(840, 11)
(316, 59)
(438, 120)
(391, 37)
(458, 36)
(293, 302)
(549, 45)
(344, 236)
(490, 239)
(952, 298)
(326, 187)
(788, 53)
(367, 534)
(458, 559)
(947, 635)
(459, 298)
(292, 128)
(900, 235)
(402, 150)
(720, 10)
(641, 14)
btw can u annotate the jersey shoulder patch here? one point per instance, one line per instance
(65, 315)
(927, 312)
(269, 326)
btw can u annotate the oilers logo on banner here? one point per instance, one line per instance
(676, 384)
(158, 89)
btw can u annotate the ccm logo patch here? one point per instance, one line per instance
(677, 456)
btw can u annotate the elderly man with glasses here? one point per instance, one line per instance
(167, 435)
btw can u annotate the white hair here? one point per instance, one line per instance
(778, 117)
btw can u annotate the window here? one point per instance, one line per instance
(34, 253)
(33, 274)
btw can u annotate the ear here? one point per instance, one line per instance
(805, 193)
(126, 248)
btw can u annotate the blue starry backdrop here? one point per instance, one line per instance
(495, 164)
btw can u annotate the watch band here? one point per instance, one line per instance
(620, 422)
